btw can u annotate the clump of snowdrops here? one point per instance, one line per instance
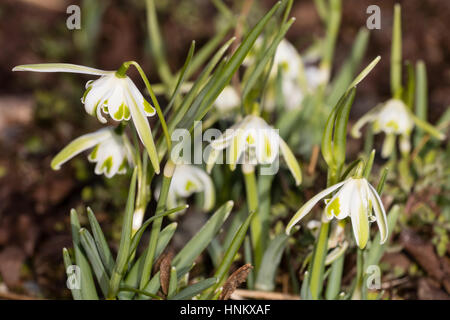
(261, 83)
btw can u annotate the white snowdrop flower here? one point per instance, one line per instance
(188, 179)
(252, 141)
(227, 100)
(114, 94)
(356, 198)
(393, 118)
(110, 152)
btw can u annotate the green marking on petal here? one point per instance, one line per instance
(267, 147)
(107, 164)
(189, 186)
(333, 208)
(83, 98)
(126, 112)
(120, 112)
(148, 108)
(123, 165)
(93, 155)
(392, 124)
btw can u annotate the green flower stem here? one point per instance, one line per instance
(255, 224)
(320, 251)
(357, 292)
(156, 226)
(318, 262)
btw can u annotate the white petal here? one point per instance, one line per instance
(143, 130)
(79, 145)
(139, 98)
(358, 213)
(380, 213)
(61, 67)
(291, 161)
(306, 208)
(339, 205)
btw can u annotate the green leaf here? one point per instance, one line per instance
(172, 283)
(340, 131)
(202, 238)
(133, 276)
(272, 256)
(100, 241)
(225, 75)
(396, 54)
(125, 240)
(194, 289)
(138, 235)
(222, 271)
(88, 291)
(369, 164)
(267, 57)
(347, 71)
(88, 243)
(76, 294)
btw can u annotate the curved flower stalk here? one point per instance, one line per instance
(113, 93)
(356, 198)
(187, 180)
(252, 141)
(110, 152)
(393, 118)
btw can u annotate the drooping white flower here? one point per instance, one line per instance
(110, 152)
(356, 198)
(252, 141)
(188, 179)
(112, 94)
(393, 118)
(227, 100)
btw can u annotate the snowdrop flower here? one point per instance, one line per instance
(252, 141)
(113, 93)
(356, 198)
(227, 100)
(188, 179)
(110, 152)
(393, 118)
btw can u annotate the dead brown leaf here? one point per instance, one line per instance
(164, 271)
(235, 280)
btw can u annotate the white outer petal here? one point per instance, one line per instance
(61, 67)
(306, 208)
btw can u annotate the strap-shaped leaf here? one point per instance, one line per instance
(132, 278)
(265, 279)
(87, 286)
(100, 242)
(194, 289)
(88, 243)
(125, 240)
(222, 271)
(76, 294)
(203, 237)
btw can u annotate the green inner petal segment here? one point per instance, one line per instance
(148, 107)
(333, 208)
(93, 155)
(107, 164)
